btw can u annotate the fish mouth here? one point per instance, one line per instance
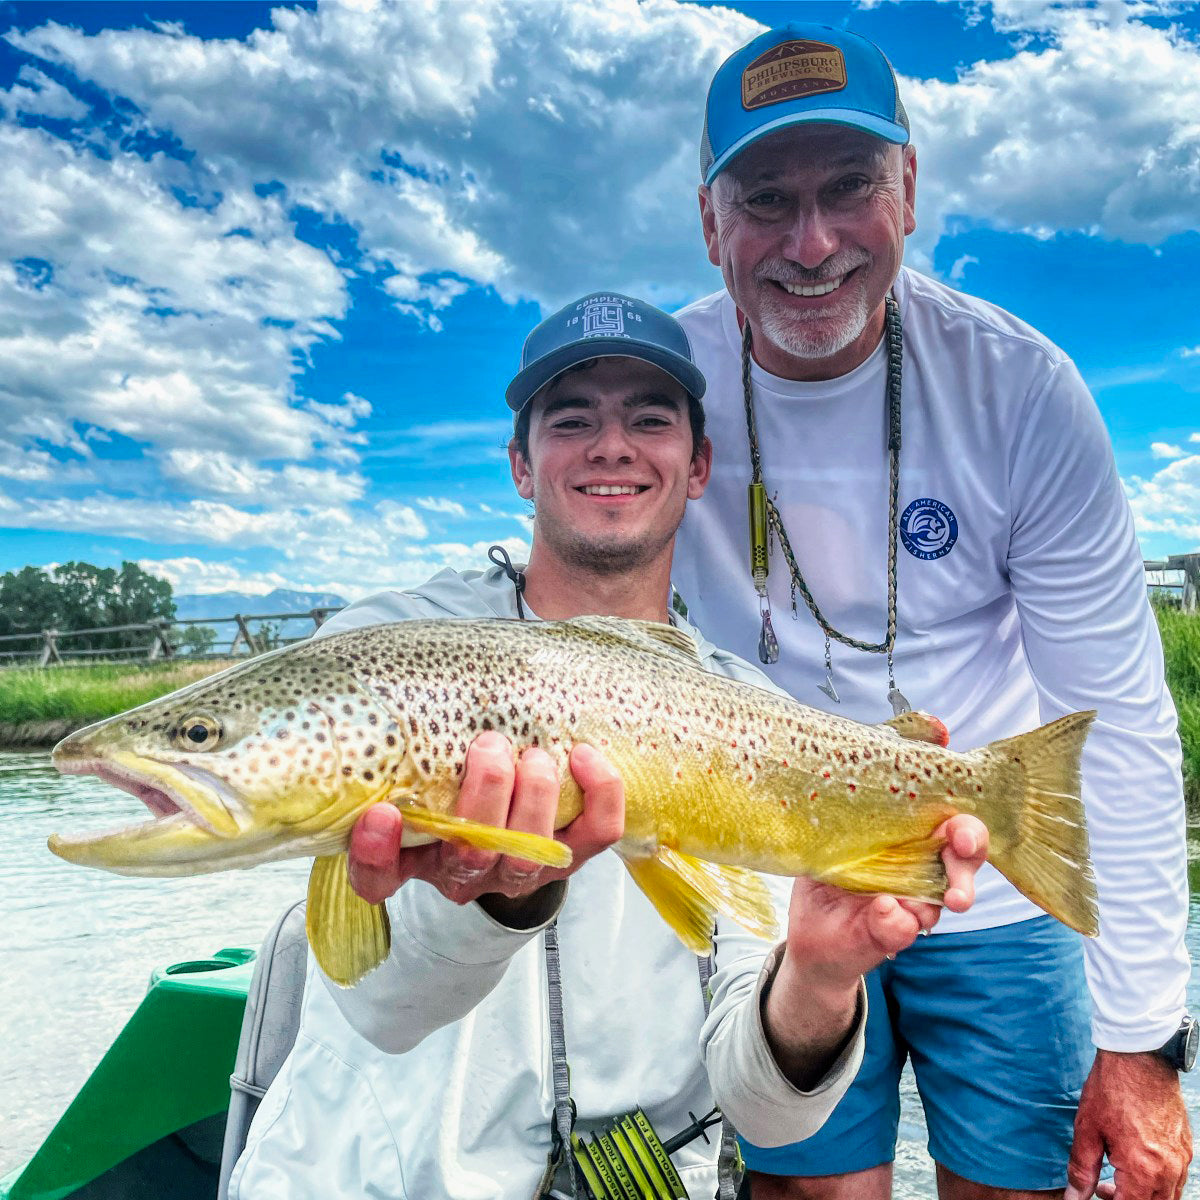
(192, 815)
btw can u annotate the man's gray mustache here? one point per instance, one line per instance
(781, 271)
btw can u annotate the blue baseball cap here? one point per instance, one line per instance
(793, 75)
(603, 325)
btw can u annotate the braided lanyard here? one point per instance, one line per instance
(766, 524)
(564, 1107)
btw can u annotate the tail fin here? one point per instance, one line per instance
(1046, 855)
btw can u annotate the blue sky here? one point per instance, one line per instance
(265, 271)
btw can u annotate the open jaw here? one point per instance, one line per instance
(191, 821)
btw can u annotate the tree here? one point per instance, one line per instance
(197, 639)
(80, 595)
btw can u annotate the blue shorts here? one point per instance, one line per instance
(997, 1023)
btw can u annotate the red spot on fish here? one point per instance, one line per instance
(912, 795)
(895, 789)
(826, 773)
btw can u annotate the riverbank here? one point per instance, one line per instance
(39, 707)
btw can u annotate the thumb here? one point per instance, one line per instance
(1083, 1169)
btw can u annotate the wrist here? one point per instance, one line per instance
(818, 989)
(1147, 1064)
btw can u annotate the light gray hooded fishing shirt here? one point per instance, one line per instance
(432, 1077)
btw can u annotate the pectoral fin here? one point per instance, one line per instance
(528, 846)
(689, 892)
(911, 869)
(348, 936)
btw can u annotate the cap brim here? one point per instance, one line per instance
(540, 372)
(890, 131)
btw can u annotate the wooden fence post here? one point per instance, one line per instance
(1189, 564)
(243, 635)
(160, 645)
(50, 648)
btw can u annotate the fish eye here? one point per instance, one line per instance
(197, 732)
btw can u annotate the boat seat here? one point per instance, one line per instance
(269, 1028)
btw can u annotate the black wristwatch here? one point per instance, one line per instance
(1180, 1049)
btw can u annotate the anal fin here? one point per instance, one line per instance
(688, 893)
(348, 936)
(530, 847)
(911, 869)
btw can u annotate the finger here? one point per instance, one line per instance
(964, 853)
(1106, 1189)
(891, 926)
(601, 824)
(534, 807)
(926, 914)
(374, 851)
(484, 795)
(1083, 1167)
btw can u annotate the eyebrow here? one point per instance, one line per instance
(853, 158)
(643, 400)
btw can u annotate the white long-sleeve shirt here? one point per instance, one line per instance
(432, 1077)
(1021, 598)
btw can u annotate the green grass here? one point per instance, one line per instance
(1181, 648)
(87, 693)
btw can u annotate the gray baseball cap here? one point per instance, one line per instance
(603, 325)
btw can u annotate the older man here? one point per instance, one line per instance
(444, 1073)
(934, 496)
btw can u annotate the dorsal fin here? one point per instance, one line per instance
(919, 727)
(656, 637)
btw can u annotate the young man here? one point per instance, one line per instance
(963, 519)
(438, 1074)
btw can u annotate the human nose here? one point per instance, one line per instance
(811, 238)
(612, 443)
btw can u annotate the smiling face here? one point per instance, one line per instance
(808, 228)
(610, 466)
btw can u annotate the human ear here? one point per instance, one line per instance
(700, 470)
(910, 190)
(522, 476)
(708, 222)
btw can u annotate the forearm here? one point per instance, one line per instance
(765, 1104)
(445, 959)
(807, 1022)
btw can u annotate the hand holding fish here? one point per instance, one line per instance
(835, 936)
(521, 795)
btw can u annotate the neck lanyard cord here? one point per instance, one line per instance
(894, 337)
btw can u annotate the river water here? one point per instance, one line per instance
(78, 947)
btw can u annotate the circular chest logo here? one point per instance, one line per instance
(928, 529)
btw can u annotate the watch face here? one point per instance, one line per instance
(1191, 1040)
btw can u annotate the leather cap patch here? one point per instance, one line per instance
(791, 69)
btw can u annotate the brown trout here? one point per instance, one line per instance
(278, 757)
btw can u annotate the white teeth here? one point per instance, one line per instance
(819, 289)
(613, 489)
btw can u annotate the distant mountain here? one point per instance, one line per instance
(225, 604)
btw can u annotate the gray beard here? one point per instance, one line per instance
(804, 340)
(804, 337)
